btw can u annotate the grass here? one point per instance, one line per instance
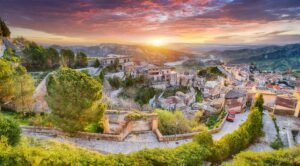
(277, 143)
(214, 121)
(22, 120)
(26, 120)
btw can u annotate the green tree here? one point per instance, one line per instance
(259, 103)
(68, 57)
(81, 60)
(10, 130)
(97, 63)
(75, 99)
(24, 89)
(9, 55)
(52, 57)
(6, 81)
(115, 82)
(35, 57)
(4, 30)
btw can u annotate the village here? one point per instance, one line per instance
(150, 83)
(219, 96)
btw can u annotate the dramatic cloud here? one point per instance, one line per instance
(134, 21)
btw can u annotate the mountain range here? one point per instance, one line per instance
(266, 57)
(150, 54)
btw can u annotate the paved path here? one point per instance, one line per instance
(231, 126)
(136, 142)
(269, 135)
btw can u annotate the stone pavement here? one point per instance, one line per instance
(134, 142)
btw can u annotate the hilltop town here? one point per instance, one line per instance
(119, 104)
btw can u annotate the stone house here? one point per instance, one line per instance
(235, 100)
(159, 75)
(125, 62)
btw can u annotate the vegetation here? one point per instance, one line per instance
(34, 57)
(68, 57)
(97, 63)
(6, 81)
(144, 94)
(53, 59)
(135, 115)
(172, 91)
(16, 86)
(4, 30)
(115, 82)
(31, 152)
(10, 55)
(81, 60)
(238, 140)
(34, 152)
(214, 121)
(277, 143)
(290, 156)
(75, 100)
(199, 97)
(29, 119)
(210, 73)
(10, 130)
(175, 123)
(24, 88)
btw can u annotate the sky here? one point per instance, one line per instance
(91, 22)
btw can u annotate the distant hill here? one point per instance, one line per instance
(150, 54)
(266, 58)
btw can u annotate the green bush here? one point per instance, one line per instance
(175, 123)
(115, 82)
(284, 157)
(204, 138)
(135, 115)
(210, 73)
(240, 139)
(10, 130)
(144, 94)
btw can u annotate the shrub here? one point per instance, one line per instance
(204, 138)
(234, 142)
(135, 115)
(115, 82)
(10, 130)
(144, 94)
(174, 122)
(289, 156)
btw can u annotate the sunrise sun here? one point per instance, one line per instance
(157, 42)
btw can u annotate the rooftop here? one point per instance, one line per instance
(232, 94)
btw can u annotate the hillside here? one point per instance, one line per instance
(150, 54)
(266, 58)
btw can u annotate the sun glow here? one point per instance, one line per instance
(157, 42)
